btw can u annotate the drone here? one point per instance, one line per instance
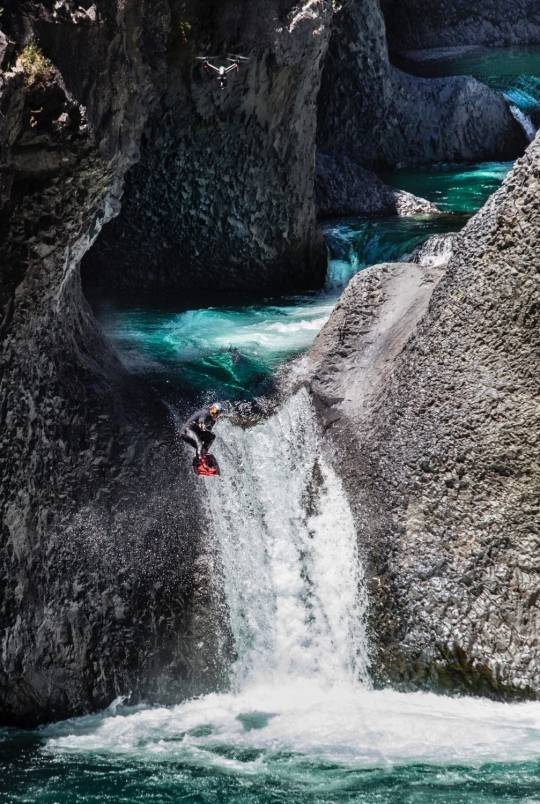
(222, 71)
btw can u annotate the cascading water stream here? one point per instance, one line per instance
(293, 579)
(301, 723)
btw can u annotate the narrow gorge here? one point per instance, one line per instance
(341, 245)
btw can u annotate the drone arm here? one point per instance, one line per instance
(216, 69)
(232, 67)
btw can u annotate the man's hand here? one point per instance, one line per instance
(202, 425)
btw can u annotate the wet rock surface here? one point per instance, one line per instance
(435, 252)
(425, 23)
(442, 458)
(378, 116)
(344, 188)
(369, 326)
(107, 582)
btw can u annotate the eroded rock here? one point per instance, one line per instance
(108, 585)
(442, 457)
(378, 116)
(222, 197)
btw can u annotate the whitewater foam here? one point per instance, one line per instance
(293, 578)
(339, 723)
(525, 122)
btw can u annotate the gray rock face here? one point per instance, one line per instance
(439, 23)
(107, 582)
(445, 453)
(378, 116)
(107, 586)
(354, 353)
(222, 197)
(344, 188)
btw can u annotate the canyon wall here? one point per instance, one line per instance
(415, 24)
(106, 583)
(378, 116)
(222, 197)
(437, 423)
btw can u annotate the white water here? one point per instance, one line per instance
(294, 582)
(525, 122)
(294, 588)
(335, 722)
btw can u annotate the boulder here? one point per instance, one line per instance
(344, 188)
(378, 116)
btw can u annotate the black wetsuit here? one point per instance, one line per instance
(192, 434)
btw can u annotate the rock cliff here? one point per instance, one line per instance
(108, 585)
(105, 584)
(415, 24)
(378, 116)
(222, 197)
(437, 423)
(344, 188)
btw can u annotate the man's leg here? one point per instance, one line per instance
(194, 441)
(208, 439)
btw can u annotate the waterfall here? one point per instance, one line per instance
(525, 122)
(293, 579)
(301, 722)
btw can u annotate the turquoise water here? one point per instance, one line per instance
(453, 188)
(223, 755)
(226, 351)
(232, 350)
(355, 243)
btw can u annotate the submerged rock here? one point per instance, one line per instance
(437, 428)
(344, 188)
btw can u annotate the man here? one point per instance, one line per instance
(197, 430)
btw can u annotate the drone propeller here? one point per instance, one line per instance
(231, 57)
(206, 58)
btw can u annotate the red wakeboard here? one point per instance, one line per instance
(208, 467)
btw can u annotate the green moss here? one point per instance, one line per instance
(184, 27)
(37, 67)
